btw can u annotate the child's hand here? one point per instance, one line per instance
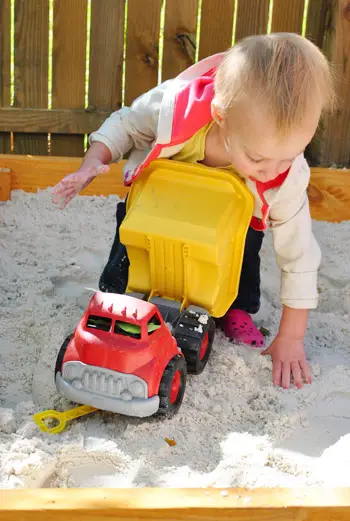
(288, 358)
(72, 184)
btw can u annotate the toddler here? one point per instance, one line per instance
(251, 110)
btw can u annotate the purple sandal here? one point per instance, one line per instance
(239, 327)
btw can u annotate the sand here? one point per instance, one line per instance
(233, 429)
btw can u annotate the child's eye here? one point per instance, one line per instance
(254, 160)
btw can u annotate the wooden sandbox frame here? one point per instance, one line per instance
(329, 190)
(329, 195)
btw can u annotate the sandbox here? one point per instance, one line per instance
(235, 433)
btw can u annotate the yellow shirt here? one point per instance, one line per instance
(194, 149)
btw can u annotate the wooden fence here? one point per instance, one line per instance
(65, 65)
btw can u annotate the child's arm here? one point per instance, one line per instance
(298, 256)
(94, 163)
(127, 128)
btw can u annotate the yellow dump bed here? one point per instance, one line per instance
(185, 232)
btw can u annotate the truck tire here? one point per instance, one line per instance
(60, 356)
(195, 339)
(172, 386)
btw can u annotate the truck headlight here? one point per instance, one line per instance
(137, 390)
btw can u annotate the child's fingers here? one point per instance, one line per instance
(56, 196)
(286, 369)
(78, 179)
(306, 371)
(58, 188)
(276, 373)
(67, 199)
(70, 185)
(296, 371)
(59, 194)
(63, 186)
(61, 197)
(68, 182)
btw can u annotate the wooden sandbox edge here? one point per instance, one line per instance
(32, 173)
(146, 504)
(329, 189)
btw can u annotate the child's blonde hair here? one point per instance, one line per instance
(283, 70)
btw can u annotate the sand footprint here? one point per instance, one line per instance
(76, 284)
(75, 467)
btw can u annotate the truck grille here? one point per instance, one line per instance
(100, 383)
(104, 381)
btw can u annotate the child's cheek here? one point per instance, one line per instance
(244, 167)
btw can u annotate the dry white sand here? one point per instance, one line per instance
(233, 429)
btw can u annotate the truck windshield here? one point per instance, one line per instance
(153, 325)
(101, 323)
(127, 329)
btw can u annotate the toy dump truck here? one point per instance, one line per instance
(184, 232)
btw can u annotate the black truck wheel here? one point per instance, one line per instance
(172, 386)
(194, 336)
(60, 356)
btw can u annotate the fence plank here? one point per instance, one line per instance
(106, 54)
(252, 18)
(335, 141)
(142, 47)
(59, 121)
(287, 16)
(180, 29)
(68, 68)
(317, 17)
(216, 26)
(31, 67)
(5, 66)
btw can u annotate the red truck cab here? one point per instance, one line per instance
(122, 357)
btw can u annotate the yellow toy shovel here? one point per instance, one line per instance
(60, 418)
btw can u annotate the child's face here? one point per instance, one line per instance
(255, 147)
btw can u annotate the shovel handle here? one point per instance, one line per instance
(60, 417)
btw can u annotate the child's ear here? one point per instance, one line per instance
(217, 113)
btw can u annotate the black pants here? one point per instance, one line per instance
(114, 278)
(248, 298)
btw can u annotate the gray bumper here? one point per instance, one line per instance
(139, 407)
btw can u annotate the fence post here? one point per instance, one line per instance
(5, 64)
(142, 52)
(179, 37)
(331, 31)
(216, 27)
(68, 69)
(31, 68)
